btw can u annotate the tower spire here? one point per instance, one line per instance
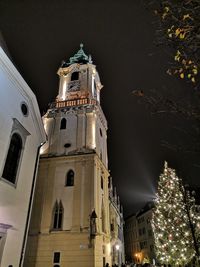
(79, 57)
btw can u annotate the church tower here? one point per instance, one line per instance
(70, 219)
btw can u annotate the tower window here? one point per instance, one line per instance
(63, 124)
(70, 178)
(67, 145)
(24, 109)
(58, 216)
(101, 182)
(56, 257)
(13, 158)
(100, 131)
(75, 76)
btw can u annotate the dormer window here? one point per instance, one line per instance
(75, 76)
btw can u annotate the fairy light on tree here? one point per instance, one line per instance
(175, 221)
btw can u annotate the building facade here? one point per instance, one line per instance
(21, 136)
(70, 223)
(116, 227)
(139, 240)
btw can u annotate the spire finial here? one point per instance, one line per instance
(166, 164)
(81, 45)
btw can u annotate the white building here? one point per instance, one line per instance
(70, 224)
(21, 135)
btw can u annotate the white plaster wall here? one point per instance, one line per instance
(14, 199)
(101, 141)
(57, 138)
(64, 193)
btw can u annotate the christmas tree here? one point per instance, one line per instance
(175, 221)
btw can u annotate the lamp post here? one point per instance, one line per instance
(136, 256)
(117, 246)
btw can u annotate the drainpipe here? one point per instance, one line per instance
(30, 206)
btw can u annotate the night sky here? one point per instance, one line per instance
(120, 36)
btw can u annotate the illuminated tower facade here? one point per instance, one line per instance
(70, 219)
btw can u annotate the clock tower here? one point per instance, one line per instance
(70, 224)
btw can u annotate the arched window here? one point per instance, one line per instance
(63, 124)
(75, 76)
(70, 178)
(13, 158)
(57, 216)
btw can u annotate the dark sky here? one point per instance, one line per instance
(120, 36)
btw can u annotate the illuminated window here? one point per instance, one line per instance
(57, 216)
(13, 158)
(75, 76)
(70, 178)
(63, 124)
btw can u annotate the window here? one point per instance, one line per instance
(67, 145)
(143, 245)
(70, 178)
(149, 232)
(57, 216)
(112, 227)
(75, 76)
(13, 158)
(103, 225)
(104, 249)
(151, 248)
(56, 257)
(24, 109)
(100, 131)
(2, 243)
(101, 182)
(63, 124)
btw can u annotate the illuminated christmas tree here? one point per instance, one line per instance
(175, 221)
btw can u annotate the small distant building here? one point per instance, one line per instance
(21, 136)
(139, 241)
(131, 239)
(116, 227)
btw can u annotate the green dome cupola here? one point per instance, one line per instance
(80, 57)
